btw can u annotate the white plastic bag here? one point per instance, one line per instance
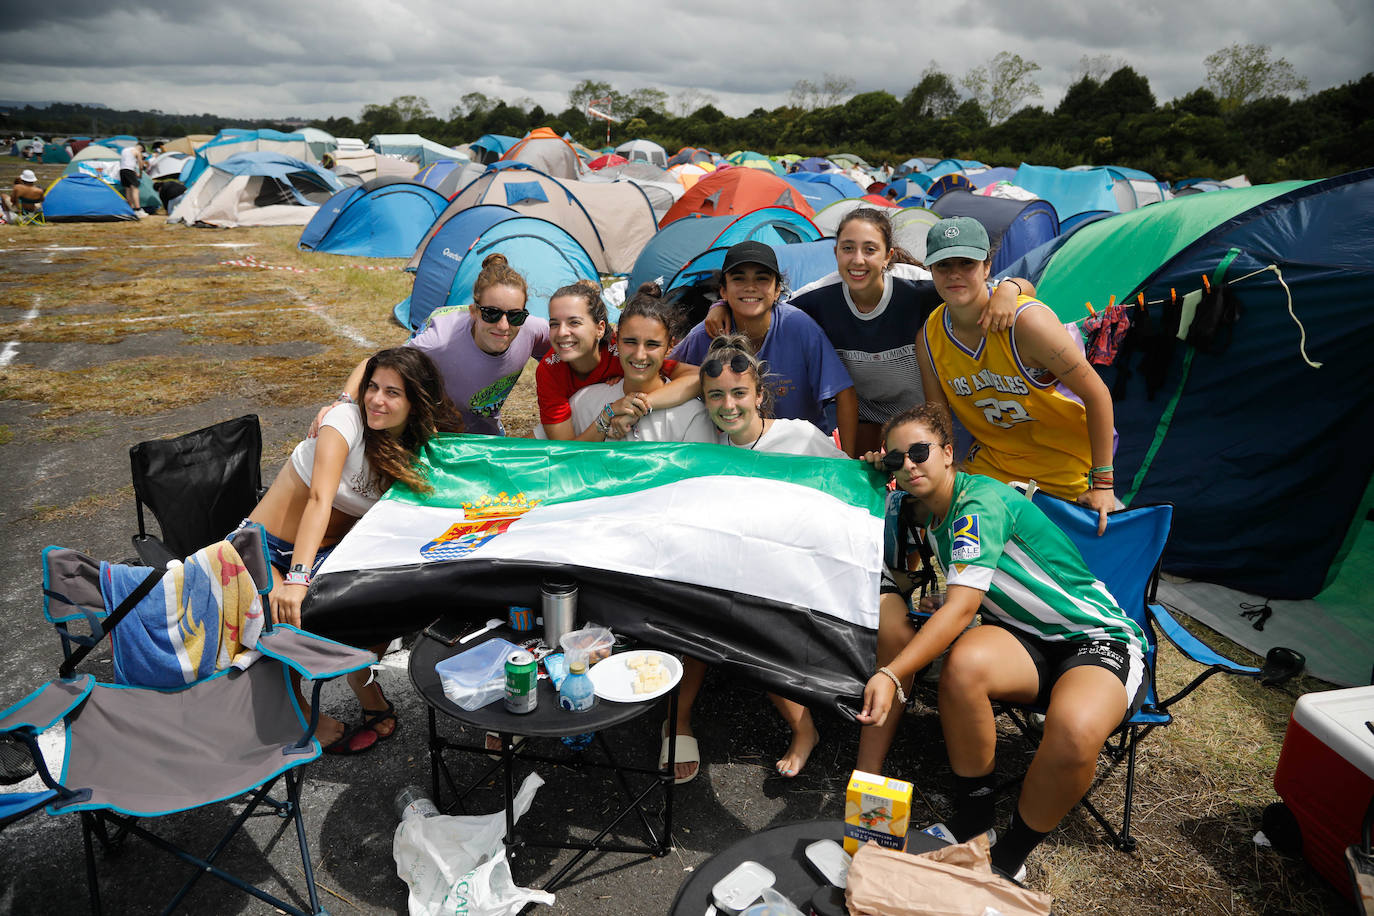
(477, 676)
(456, 865)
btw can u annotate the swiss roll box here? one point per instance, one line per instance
(1326, 774)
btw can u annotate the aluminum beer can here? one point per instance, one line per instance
(522, 683)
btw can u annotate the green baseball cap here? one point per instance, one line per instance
(957, 237)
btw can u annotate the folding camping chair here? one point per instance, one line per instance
(136, 752)
(1127, 559)
(199, 486)
(28, 212)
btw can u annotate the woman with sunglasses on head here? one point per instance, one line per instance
(1051, 635)
(1035, 407)
(738, 401)
(871, 310)
(643, 336)
(584, 353)
(805, 372)
(480, 350)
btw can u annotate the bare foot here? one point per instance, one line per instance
(328, 730)
(804, 741)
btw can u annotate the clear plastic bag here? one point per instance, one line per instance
(590, 644)
(477, 676)
(456, 866)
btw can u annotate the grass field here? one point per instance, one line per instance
(117, 332)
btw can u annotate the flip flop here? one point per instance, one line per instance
(494, 738)
(356, 740)
(688, 751)
(373, 717)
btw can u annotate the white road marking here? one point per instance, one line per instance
(11, 350)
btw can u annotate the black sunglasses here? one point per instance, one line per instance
(492, 315)
(716, 365)
(919, 451)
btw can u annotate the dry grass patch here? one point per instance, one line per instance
(85, 507)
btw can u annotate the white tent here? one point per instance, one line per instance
(644, 151)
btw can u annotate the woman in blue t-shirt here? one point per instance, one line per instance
(804, 371)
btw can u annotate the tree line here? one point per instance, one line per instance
(1251, 117)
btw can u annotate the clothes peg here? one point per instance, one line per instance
(1091, 310)
(1206, 283)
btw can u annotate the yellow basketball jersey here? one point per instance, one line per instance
(1023, 428)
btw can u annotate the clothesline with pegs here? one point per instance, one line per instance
(1141, 303)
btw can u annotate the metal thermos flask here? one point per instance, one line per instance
(558, 599)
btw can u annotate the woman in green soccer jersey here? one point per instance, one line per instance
(1051, 634)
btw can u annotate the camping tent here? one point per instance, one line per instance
(675, 245)
(736, 190)
(381, 218)
(187, 144)
(612, 221)
(661, 187)
(233, 141)
(644, 151)
(80, 198)
(909, 228)
(1069, 192)
(751, 160)
(410, 147)
(488, 148)
(1014, 226)
(256, 189)
(1251, 434)
(1131, 187)
(691, 154)
(544, 150)
(821, 189)
(319, 141)
(546, 256)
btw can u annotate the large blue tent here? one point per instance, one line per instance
(1014, 226)
(821, 189)
(84, 198)
(381, 218)
(679, 242)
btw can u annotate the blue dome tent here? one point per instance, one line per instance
(1014, 226)
(543, 253)
(80, 198)
(683, 240)
(381, 218)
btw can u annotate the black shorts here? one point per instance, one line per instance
(896, 582)
(128, 178)
(1053, 658)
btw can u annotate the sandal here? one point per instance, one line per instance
(688, 751)
(374, 717)
(355, 740)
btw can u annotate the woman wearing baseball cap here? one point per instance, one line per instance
(804, 371)
(1008, 387)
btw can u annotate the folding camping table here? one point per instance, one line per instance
(547, 721)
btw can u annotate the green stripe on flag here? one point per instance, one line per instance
(470, 468)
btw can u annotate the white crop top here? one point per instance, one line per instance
(357, 490)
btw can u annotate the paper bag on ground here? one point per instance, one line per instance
(885, 882)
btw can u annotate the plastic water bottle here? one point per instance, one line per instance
(576, 694)
(413, 802)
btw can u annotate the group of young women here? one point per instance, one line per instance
(869, 361)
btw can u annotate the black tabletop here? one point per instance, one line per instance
(782, 850)
(548, 719)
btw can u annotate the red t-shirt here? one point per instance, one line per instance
(555, 384)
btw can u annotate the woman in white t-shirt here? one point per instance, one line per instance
(738, 401)
(332, 480)
(644, 336)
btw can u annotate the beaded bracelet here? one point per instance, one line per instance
(896, 682)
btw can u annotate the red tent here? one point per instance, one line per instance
(731, 190)
(606, 161)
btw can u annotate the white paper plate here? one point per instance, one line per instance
(613, 679)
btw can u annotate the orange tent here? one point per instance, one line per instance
(736, 191)
(547, 152)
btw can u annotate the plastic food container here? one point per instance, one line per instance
(590, 644)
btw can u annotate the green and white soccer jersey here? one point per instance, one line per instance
(995, 540)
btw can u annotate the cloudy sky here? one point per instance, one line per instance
(310, 58)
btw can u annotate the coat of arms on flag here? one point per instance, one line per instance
(483, 520)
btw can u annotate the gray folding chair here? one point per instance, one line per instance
(134, 753)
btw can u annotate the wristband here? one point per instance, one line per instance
(896, 682)
(295, 577)
(344, 398)
(602, 425)
(1020, 291)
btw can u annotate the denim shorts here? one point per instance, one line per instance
(279, 552)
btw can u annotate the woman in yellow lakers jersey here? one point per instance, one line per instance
(1004, 386)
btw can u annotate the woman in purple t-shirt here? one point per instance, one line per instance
(480, 350)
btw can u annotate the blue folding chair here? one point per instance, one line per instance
(1126, 559)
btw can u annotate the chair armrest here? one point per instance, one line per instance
(152, 551)
(314, 657)
(44, 707)
(1194, 648)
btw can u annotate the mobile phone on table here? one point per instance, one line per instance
(447, 630)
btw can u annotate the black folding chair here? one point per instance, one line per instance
(198, 486)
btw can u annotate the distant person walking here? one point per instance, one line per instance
(131, 166)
